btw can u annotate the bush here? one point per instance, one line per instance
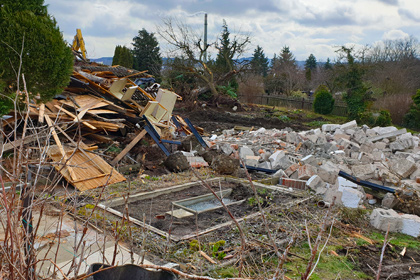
(46, 61)
(412, 118)
(374, 118)
(324, 101)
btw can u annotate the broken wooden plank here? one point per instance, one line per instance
(11, 145)
(41, 113)
(128, 147)
(91, 170)
(74, 116)
(60, 147)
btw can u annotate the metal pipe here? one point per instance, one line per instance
(205, 38)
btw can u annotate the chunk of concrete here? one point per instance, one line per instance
(244, 151)
(276, 156)
(402, 167)
(252, 160)
(382, 218)
(329, 127)
(316, 184)
(348, 125)
(352, 198)
(364, 172)
(387, 135)
(410, 225)
(306, 171)
(291, 169)
(309, 159)
(226, 148)
(282, 163)
(328, 172)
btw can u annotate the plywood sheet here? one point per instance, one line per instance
(90, 170)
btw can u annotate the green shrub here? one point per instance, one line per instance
(324, 101)
(374, 118)
(412, 118)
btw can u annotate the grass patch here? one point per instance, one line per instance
(316, 123)
(396, 239)
(329, 266)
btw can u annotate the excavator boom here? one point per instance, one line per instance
(79, 43)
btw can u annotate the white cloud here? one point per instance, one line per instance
(394, 35)
(306, 26)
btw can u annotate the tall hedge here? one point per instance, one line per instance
(31, 41)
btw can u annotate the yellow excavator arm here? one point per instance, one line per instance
(79, 43)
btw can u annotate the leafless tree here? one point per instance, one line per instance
(187, 44)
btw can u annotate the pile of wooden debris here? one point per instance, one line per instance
(100, 102)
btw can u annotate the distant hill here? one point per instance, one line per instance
(102, 60)
(108, 61)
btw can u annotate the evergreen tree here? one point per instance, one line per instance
(310, 65)
(327, 65)
(224, 59)
(287, 59)
(31, 38)
(123, 57)
(350, 77)
(259, 62)
(126, 59)
(146, 53)
(117, 55)
(284, 72)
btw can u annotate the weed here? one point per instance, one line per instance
(284, 118)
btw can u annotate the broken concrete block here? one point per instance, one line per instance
(351, 198)
(387, 135)
(329, 127)
(265, 165)
(338, 137)
(364, 172)
(316, 184)
(309, 159)
(306, 171)
(396, 146)
(252, 160)
(380, 145)
(276, 156)
(381, 219)
(402, 167)
(385, 130)
(410, 225)
(226, 148)
(348, 125)
(291, 169)
(328, 172)
(378, 155)
(281, 163)
(360, 136)
(245, 151)
(197, 162)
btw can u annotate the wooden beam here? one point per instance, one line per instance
(129, 147)
(60, 147)
(74, 116)
(41, 113)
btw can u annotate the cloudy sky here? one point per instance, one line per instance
(306, 26)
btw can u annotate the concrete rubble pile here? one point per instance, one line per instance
(385, 156)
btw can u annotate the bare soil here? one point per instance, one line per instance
(154, 210)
